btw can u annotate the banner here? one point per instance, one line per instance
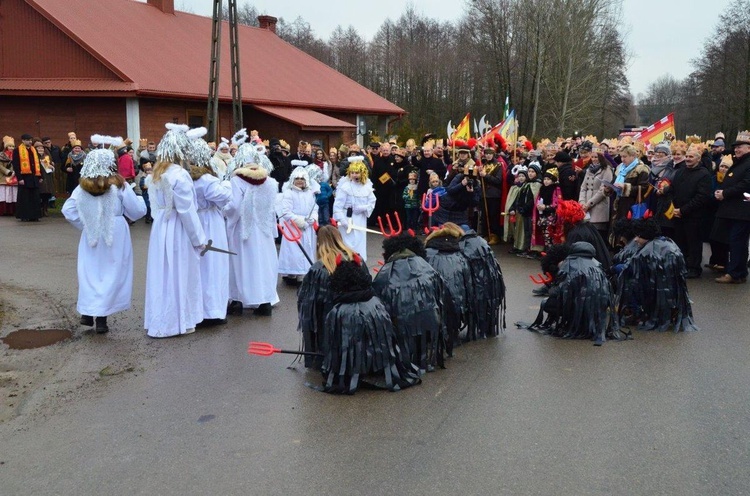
(508, 129)
(663, 130)
(463, 131)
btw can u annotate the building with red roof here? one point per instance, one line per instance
(123, 67)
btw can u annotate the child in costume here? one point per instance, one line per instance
(251, 229)
(488, 304)
(411, 202)
(98, 207)
(652, 285)
(524, 210)
(444, 255)
(314, 298)
(413, 292)
(361, 344)
(173, 282)
(355, 201)
(510, 215)
(212, 195)
(298, 206)
(544, 213)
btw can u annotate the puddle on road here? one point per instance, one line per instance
(26, 339)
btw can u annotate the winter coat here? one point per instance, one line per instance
(736, 183)
(593, 196)
(692, 191)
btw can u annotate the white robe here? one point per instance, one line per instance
(362, 200)
(296, 203)
(212, 195)
(173, 282)
(251, 229)
(105, 252)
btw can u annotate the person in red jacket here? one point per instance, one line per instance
(125, 164)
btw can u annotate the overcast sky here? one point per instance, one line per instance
(662, 35)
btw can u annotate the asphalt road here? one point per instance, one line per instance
(520, 414)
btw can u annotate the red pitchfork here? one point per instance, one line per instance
(267, 349)
(293, 234)
(430, 205)
(541, 279)
(391, 232)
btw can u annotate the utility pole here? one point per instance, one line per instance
(212, 113)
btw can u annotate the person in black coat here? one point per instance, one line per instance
(691, 193)
(427, 164)
(28, 170)
(567, 176)
(733, 215)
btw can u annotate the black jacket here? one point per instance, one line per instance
(691, 191)
(736, 182)
(568, 182)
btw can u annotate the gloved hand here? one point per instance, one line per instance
(300, 222)
(343, 222)
(360, 209)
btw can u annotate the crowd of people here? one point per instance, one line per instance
(618, 227)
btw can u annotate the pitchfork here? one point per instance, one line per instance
(392, 233)
(293, 234)
(541, 279)
(430, 205)
(267, 349)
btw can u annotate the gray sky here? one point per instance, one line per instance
(662, 35)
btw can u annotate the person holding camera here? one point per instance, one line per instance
(463, 192)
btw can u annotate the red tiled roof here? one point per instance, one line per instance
(306, 119)
(67, 85)
(166, 54)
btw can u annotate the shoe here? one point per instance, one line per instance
(263, 310)
(87, 320)
(149, 220)
(101, 325)
(291, 281)
(515, 251)
(727, 279)
(543, 291)
(234, 308)
(693, 275)
(494, 240)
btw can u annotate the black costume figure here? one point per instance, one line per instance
(444, 255)
(314, 301)
(652, 288)
(412, 292)
(580, 303)
(361, 343)
(489, 288)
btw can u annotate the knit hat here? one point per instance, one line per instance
(663, 148)
(562, 157)
(536, 167)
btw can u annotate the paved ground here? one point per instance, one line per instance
(519, 414)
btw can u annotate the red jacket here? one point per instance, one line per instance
(126, 167)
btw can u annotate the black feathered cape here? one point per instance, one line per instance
(489, 287)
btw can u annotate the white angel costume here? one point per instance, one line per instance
(298, 207)
(251, 229)
(105, 251)
(361, 199)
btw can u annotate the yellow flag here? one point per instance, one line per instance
(462, 132)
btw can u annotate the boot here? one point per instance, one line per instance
(87, 320)
(234, 308)
(101, 325)
(494, 239)
(263, 310)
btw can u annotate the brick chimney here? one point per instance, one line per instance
(166, 6)
(267, 22)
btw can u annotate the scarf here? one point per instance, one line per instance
(594, 168)
(23, 154)
(625, 170)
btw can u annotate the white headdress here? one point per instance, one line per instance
(297, 173)
(173, 144)
(101, 161)
(198, 153)
(249, 154)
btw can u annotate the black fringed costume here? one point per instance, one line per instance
(361, 344)
(412, 292)
(580, 303)
(444, 255)
(314, 300)
(489, 287)
(652, 288)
